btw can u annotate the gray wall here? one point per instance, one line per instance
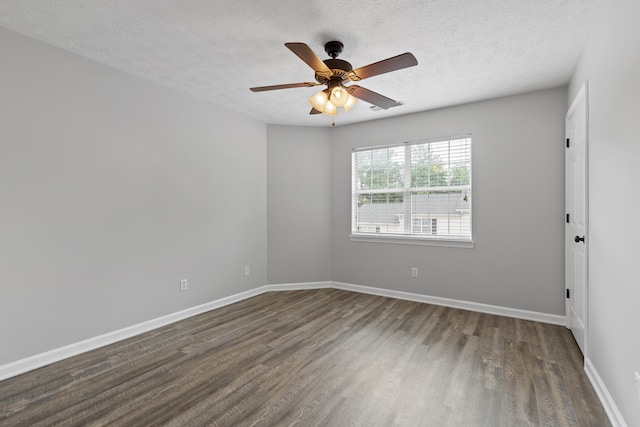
(112, 189)
(518, 206)
(298, 204)
(518, 202)
(611, 64)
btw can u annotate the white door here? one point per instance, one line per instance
(576, 203)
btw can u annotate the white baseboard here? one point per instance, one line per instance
(299, 286)
(464, 305)
(601, 390)
(39, 360)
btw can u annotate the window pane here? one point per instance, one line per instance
(380, 213)
(460, 162)
(449, 211)
(379, 169)
(429, 165)
(421, 189)
(440, 164)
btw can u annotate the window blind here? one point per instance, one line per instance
(420, 189)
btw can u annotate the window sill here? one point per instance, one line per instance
(411, 240)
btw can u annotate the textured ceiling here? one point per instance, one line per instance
(467, 50)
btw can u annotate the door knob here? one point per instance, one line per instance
(579, 239)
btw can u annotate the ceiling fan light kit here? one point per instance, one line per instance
(335, 72)
(351, 101)
(339, 96)
(319, 100)
(329, 109)
(328, 101)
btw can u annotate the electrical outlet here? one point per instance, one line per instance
(414, 272)
(247, 270)
(183, 284)
(636, 386)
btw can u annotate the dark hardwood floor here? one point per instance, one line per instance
(318, 358)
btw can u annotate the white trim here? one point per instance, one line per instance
(414, 142)
(411, 240)
(553, 319)
(298, 286)
(39, 360)
(601, 390)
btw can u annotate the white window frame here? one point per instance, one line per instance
(407, 236)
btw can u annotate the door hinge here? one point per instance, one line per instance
(567, 142)
(568, 294)
(567, 218)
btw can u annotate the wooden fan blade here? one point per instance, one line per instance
(305, 53)
(287, 86)
(372, 97)
(391, 64)
(314, 111)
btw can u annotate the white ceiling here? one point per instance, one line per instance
(467, 50)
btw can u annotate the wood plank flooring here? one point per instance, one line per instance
(318, 358)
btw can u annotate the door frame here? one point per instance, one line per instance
(582, 95)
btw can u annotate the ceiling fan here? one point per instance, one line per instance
(335, 72)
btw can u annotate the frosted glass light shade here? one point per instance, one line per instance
(330, 109)
(319, 100)
(339, 96)
(351, 101)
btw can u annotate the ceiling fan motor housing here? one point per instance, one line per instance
(339, 68)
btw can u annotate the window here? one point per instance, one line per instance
(417, 190)
(424, 226)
